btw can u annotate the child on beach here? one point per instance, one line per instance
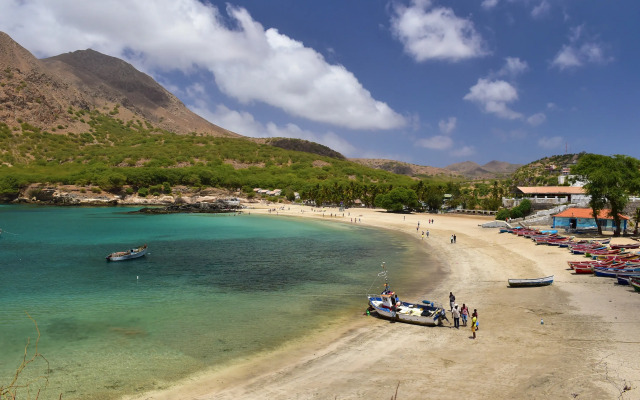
(473, 326)
(475, 319)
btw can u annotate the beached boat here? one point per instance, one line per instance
(387, 305)
(635, 283)
(128, 254)
(547, 280)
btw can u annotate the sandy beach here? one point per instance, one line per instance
(587, 348)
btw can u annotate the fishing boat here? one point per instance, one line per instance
(128, 254)
(635, 283)
(387, 305)
(547, 280)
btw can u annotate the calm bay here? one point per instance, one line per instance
(212, 289)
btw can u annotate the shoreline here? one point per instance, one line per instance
(583, 349)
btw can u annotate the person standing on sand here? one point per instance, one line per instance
(422, 235)
(464, 311)
(456, 317)
(475, 319)
(452, 300)
(454, 238)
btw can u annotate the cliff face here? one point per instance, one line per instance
(40, 92)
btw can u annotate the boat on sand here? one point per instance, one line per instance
(547, 280)
(387, 305)
(128, 254)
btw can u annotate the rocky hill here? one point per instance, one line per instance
(490, 170)
(41, 92)
(403, 168)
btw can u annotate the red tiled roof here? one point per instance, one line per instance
(575, 212)
(551, 189)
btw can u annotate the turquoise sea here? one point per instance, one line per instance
(213, 289)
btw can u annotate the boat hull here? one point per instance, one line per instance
(546, 281)
(130, 255)
(408, 312)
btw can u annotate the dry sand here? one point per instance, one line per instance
(587, 348)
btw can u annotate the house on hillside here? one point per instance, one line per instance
(582, 218)
(549, 196)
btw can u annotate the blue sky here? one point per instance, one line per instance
(426, 82)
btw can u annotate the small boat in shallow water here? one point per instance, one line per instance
(128, 254)
(388, 306)
(547, 280)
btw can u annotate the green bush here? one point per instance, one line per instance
(143, 192)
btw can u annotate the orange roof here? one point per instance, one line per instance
(551, 189)
(575, 212)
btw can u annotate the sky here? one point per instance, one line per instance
(422, 81)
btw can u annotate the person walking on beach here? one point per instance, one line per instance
(454, 238)
(452, 300)
(473, 326)
(422, 235)
(451, 239)
(456, 317)
(427, 234)
(464, 312)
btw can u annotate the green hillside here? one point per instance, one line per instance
(117, 155)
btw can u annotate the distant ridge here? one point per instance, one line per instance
(490, 170)
(403, 168)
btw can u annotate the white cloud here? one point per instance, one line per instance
(513, 67)
(541, 9)
(537, 119)
(249, 63)
(245, 124)
(493, 97)
(436, 142)
(436, 33)
(464, 151)
(551, 142)
(580, 51)
(447, 126)
(489, 4)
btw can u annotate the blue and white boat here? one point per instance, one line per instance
(388, 306)
(128, 254)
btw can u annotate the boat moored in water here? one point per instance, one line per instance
(128, 254)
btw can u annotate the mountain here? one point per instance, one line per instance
(490, 170)
(403, 168)
(42, 92)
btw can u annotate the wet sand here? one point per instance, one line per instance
(587, 348)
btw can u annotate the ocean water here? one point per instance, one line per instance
(213, 289)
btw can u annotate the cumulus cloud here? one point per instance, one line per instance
(245, 124)
(464, 151)
(580, 51)
(513, 67)
(439, 142)
(551, 142)
(537, 119)
(447, 126)
(493, 97)
(435, 33)
(248, 62)
(541, 9)
(489, 4)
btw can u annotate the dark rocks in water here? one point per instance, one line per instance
(219, 206)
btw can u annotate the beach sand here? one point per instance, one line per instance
(587, 348)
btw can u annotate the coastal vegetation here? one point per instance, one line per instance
(116, 156)
(610, 182)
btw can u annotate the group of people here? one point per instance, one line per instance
(461, 312)
(453, 238)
